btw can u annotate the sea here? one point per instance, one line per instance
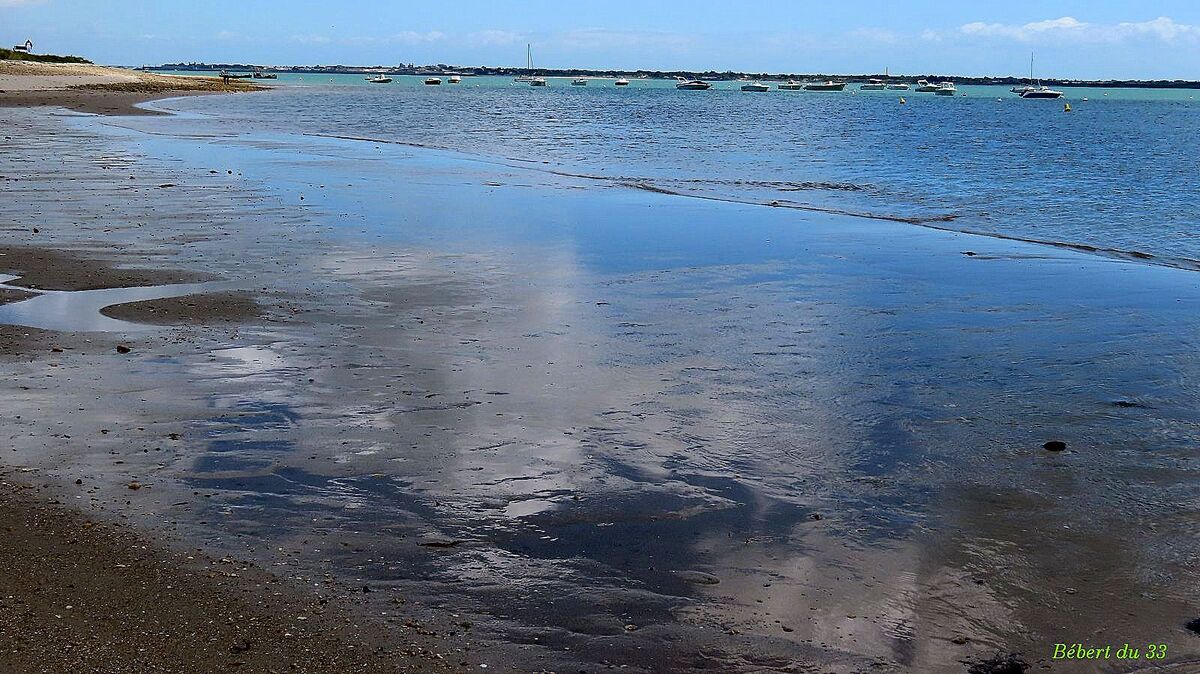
(1117, 172)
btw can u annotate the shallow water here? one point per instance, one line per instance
(79, 310)
(1114, 173)
(563, 409)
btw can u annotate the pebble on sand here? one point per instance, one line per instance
(1054, 446)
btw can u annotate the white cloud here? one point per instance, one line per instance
(494, 38)
(1068, 28)
(603, 38)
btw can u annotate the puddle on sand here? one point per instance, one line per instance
(79, 310)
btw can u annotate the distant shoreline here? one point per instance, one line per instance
(484, 71)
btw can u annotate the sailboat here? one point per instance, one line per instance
(1039, 91)
(528, 66)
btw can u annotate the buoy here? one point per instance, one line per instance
(1067, 107)
(902, 101)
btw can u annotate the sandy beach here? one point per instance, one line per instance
(317, 404)
(98, 89)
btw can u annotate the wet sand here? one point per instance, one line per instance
(614, 428)
(81, 595)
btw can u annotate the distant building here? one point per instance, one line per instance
(26, 48)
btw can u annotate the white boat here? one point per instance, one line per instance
(379, 79)
(755, 86)
(898, 86)
(622, 82)
(692, 85)
(433, 81)
(926, 87)
(455, 79)
(791, 85)
(579, 82)
(828, 85)
(537, 81)
(946, 89)
(1039, 91)
(528, 66)
(873, 85)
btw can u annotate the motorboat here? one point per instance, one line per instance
(260, 75)
(873, 85)
(791, 85)
(579, 82)
(455, 79)
(926, 87)
(622, 82)
(828, 85)
(1038, 91)
(692, 85)
(235, 76)
(946, 89)
(537, 81)
(379, 79)
(755, 86)
(433, 81)
(898, 86)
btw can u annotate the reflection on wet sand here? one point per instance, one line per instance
(728, 439)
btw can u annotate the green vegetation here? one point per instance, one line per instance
(10, 55)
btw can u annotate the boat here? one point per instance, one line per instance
(528, 66)
(379, 79)
(579, 82)
(1038, 91)
(433, 80)
(946, 89)
(926, 87)
(791, 85)
(537, 81)
(898, 86)
(235, 76)
(873, 85)
(455, 79)
(755, 86)
(622, 82)
(828, 85)
(260, 75)
(692, 85)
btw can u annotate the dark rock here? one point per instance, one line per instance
(438, 542)
(970, 253)
(121, 348)
(816, 517)
(1054, 446)
(698, 577)
(366, 589)
(1194, 626)
(1126, 403)
(1000, 663)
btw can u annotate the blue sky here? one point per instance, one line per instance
(1080, 38)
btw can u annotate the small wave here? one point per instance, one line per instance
(936, 222)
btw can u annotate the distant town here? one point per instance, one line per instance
(712, 75)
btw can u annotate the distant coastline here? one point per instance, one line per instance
(710, 75)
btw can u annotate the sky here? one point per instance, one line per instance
(1078, 38)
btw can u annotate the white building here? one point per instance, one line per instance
(26, 48)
